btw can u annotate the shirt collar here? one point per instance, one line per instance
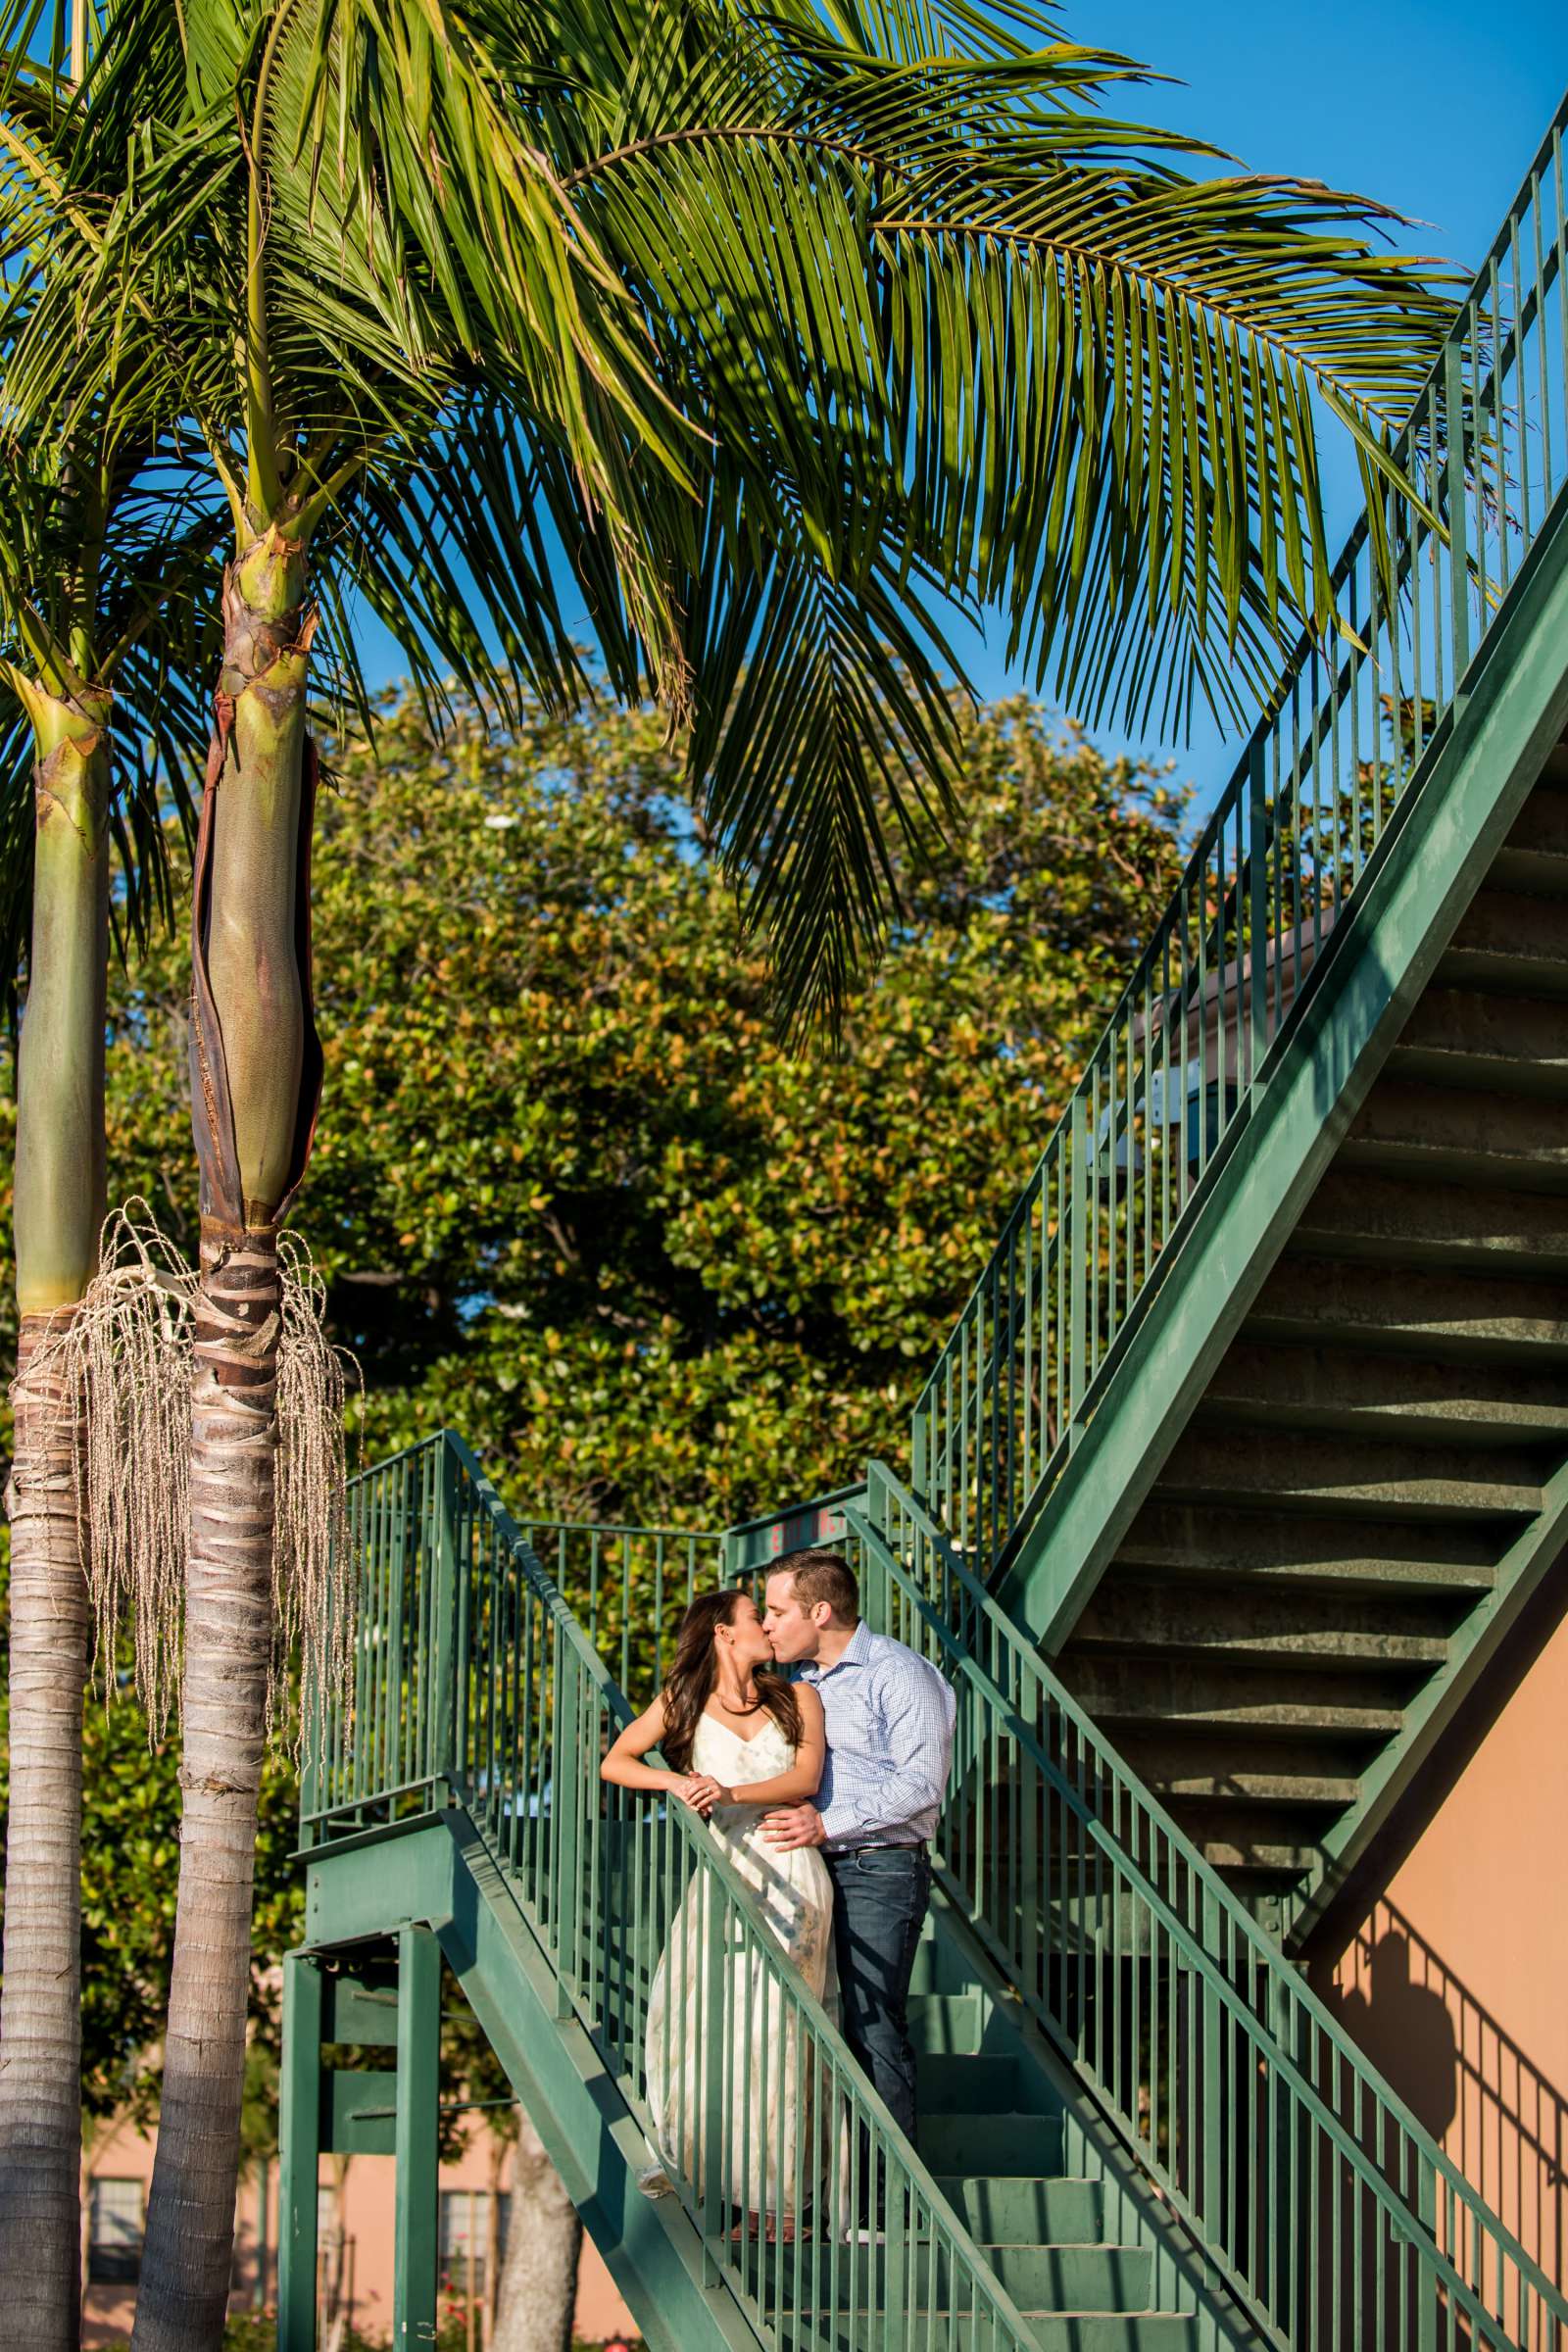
(858, 1653)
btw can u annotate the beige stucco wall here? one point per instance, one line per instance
(121, 2152)
(1452, 1973)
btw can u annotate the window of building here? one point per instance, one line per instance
(113, 2232)
(465, 2228)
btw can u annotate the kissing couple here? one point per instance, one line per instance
(818, 1753)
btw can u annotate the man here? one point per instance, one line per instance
(888, 1717)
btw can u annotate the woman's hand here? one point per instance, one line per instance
(696, 1790)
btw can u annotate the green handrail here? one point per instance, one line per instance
(1331, 770)
(1332, 2213)
(504, 1708)
(1335, 2217)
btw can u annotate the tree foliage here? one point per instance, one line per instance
(799, 332)
(579, 1200)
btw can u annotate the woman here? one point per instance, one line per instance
(739, 1740)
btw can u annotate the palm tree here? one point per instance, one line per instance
(98, 548)
(784, 338)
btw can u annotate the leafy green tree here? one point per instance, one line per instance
(580, 1200)
(647, 1257)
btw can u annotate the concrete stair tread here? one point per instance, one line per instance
(1136, 1615)
(1329, 1473)
(1508, 941)
(1220, 1542)
(1465, 1134)
(1346, 1388)
(1406, 1221)
(1301, 1703)
(1466, 1037)
(1233, 1837)
(1449, 1313)
(1241, 1773)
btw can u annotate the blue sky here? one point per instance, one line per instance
(1432, 108)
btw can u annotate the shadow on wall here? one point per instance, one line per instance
(1498, 2118)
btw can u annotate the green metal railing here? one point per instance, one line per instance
(628, 1586)
(1353, 730)
(506, 1708)
(1333, 2216)
(1337, 2222)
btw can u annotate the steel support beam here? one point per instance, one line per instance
(417, 2257)
(299, 2130)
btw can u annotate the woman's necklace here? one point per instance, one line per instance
(743, 1712)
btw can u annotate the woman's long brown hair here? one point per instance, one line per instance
(692, 1677)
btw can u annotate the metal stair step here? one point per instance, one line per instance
(1462, 1134)
(1038, 2274)
(1028, 2144)
(1273, 1628)
(1111, 2331)
(1347, 1389)
(944, 2021)
(1081, 2279)
(960, 2331)
(1509, 941)
(958, 2083)
(1360, 1214)
(1328, 1473)
(1467, 1037)
(1000, 2208)
(1283, 1548)
(1414, 1307)
(937, 1967)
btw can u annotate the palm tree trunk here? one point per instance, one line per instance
(58, 1212)
(256, 1075)
(544, 2240)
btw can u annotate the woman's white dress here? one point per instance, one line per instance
(767, 2091)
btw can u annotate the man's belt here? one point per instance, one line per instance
(879, 1845)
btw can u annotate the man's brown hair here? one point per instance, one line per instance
(822, 1576)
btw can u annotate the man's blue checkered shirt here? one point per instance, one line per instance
(889, 1742)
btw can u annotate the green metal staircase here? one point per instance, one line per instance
(1255, 1421)
(1247, 1449)
(1139, 2130)
(1371, 1483)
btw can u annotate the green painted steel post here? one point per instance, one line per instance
(1428, 2300)
(1456, 516)
(416, 2258)
(443, 1761)
(565, 1794)
(1078, 1288)
(299, 2135)
(1215, 2087)
(1257, 914)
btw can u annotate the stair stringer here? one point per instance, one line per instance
(439, 1875)
(1386, 949)
(1136, 2214)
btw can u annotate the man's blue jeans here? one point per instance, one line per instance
(879, 1904)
